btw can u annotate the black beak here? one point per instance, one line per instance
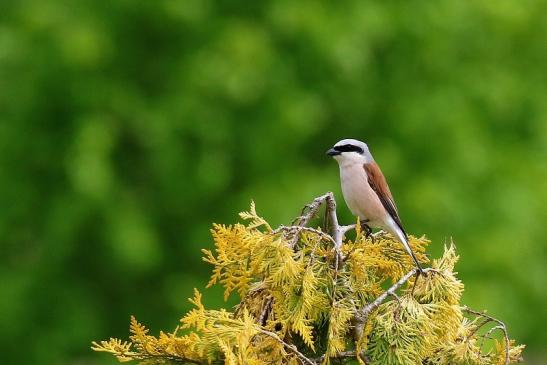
(333, 152)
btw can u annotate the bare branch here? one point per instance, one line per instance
(342, 355)
(487, 335)
(295, 229)
(344, 229)
(501, 326)
(308, 212)
(361, 316)
(289, 347)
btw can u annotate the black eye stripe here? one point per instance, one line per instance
(349, 148)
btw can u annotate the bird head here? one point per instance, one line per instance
(350, 151)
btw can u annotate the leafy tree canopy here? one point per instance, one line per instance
(307, 299)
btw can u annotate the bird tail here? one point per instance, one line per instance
(401, 235)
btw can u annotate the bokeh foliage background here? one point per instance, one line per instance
(127, 128)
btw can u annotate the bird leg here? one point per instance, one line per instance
(368, 231)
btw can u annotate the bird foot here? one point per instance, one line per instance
(368, 230)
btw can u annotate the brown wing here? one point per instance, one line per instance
(378, 183)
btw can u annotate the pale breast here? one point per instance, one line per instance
(362, 201)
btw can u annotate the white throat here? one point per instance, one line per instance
(348, 159)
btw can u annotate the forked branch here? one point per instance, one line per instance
(501, 326)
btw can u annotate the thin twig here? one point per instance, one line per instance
(308, 212)
(397, 298)
(338, 231)
(501, 326)
(345, 229)
(266, 310)
(290, 347)
(487, 335)
(391, 291)
(294, 229)
(361, 316)
(484, 322)
(341, 355)
(171, 358)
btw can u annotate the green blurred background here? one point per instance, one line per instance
(127, 128)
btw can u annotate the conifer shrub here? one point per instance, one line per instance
(317, 296)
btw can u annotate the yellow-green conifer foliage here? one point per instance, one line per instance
(308, 299)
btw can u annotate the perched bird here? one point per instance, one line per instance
(366, 191)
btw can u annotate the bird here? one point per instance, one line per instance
(366, 191)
